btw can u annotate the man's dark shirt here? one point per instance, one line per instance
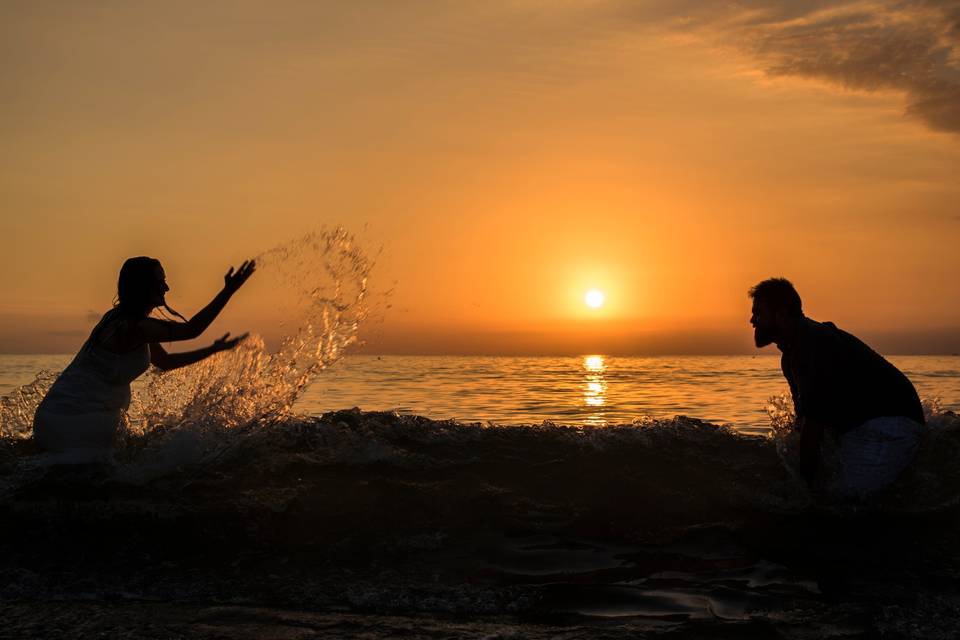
(839, 381)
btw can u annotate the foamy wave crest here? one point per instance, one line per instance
(378, 473)
(17, 408)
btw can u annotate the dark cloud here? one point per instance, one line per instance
(912, 47)
(908, 47)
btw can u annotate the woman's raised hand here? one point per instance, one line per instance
(233, 281)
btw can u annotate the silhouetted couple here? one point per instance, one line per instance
(843, 389)
(839, 385)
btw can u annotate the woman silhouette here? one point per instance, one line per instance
(81, 413)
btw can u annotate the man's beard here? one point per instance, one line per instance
(762, 337)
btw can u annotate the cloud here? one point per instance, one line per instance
(912, 47)
(908, 47)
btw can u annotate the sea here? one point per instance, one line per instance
(583, 390)
(306, 491)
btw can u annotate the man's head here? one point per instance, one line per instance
(776, 305)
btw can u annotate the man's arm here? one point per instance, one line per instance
(811, 433)
(786, 368)
(809, 377)
(167, 361)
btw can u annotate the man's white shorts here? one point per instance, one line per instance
(873, 455)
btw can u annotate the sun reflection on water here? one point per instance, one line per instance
(593, 394)
(594, 387)
(594, 363)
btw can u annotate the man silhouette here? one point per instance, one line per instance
(839, 383)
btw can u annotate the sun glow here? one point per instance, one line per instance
(594, 298)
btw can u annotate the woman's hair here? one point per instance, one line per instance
(136, 286)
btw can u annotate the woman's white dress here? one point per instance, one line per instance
(79, 417)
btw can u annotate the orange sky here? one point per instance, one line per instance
(506, 156)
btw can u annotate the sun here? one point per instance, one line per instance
(594, 298)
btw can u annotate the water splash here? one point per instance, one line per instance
(325, 273)
(17, 408)
(782, 430)
(190, 414)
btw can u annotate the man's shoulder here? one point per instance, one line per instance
(827, 337)
(810, 331)
(817, 339)
(810, 325)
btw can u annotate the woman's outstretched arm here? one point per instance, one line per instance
(155, 330)
(167, 361)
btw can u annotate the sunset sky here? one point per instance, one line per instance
(506, 156)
